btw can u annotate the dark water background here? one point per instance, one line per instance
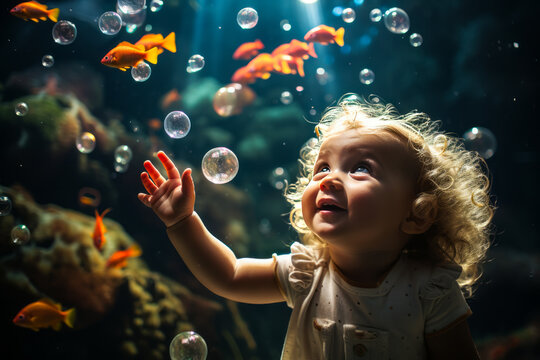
(468, 72)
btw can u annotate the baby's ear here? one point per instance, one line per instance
(421, 216)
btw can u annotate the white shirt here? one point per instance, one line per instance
(332, 319)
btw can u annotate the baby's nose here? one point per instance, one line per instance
(330, 182)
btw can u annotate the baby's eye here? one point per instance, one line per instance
(361, 169)
(322, 169)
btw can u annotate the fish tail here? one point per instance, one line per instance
(169, 42)
(105, 212)
(53, 14)
(300, 66)
(311, 50)
(70, 316)
(259, 43)
(151, 55)
(339, 36)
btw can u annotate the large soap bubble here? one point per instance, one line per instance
(396, 20)
(130, 6)
(177, 124)
(226, 101)
(188, 345)
(64, 32)
(110, 23)
(481, 140)
(220, 165)
(247, 18)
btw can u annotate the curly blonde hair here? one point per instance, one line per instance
(452, 186)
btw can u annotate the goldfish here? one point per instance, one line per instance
(169, 99)
(248, 50)
(296, 48)
(44, 313)
(99, 229)
(126, 55)
(243, 76)
(325, 34)
(32, 10)
(288, 64)
(156, 40)
(119, 258)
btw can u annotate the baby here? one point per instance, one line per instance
(394, 218)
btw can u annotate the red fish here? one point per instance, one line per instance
(44, 313)
(119, 258)
(32, 10)
(156, 40)
(287, 64)
(325, 35)
(99, 229)
(243, 76)
(126, 55)
(248, 50)
(296, 48)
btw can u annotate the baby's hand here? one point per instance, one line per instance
(172, 199)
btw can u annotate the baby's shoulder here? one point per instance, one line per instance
(433, 281)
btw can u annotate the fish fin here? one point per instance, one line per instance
(265, 76)
(57, 326)
(300, 67)
(43, 18)
(339, 36)
(139, 47)
(51, 302)
(311, 50)
(151, 55)
(124, 68)
(71, 314)
(127, 43)
(53, 14)
(169, 42)
(34, 20)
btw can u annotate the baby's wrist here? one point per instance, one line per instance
(178, 222)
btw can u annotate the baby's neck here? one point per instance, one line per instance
(367, 270)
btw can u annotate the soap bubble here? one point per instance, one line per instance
(481, 140)
(156, 5)
(188, 345)
(5, 205)
(21, 109)
(396, 20)
(285, 25)
(132, 20)
(220, 165)
(416, 39)
(375, 15)
(110, 23)
(177, 124)
(20, 235)
(286, 97)
(278, 178)
(47, 61)
(64, 32)
(247, 18)
(226, 101)
(348, 15)
(141, 72)
(86, 142)
(367, 76)
(122, 155)
(196, 63)
(131, 6)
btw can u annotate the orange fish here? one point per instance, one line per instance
(99, 229)
(243, 76)
(156, 40)
(44, 313)
(296, 48)
(248, 50)
(126, 55)
(325, 34)
(287, 64)
(32, 10)
(169, 99)
(119, 258)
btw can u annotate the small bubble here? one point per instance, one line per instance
(348, 15)
(156, 5)
(141, 72)
(47, 61)
(64, 32)
(416, 39)
(110, 23)
(20, 235)
(396, 20)
(481, 140)
(188, 345)
(123, 155)
(375, 15)
(21, 109)
(285, 25)
(286, 97)
(196, 63)
(177, 124)
(86, 142)
(5, 205)
(367, 76)
(220, 165)
(247, 18)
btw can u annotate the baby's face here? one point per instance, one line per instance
(361, 191)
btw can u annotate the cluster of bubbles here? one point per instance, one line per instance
(156, 5)
(21, 109)
(348, 15)
(367, 76)
(20, 235)
(220, 165)
(141, 72)
(177, 124)
(5, 205)
(247, 18)
(481, 140)
(122, 157)
(110, 23)
(188, 345)
(278, 178)
(64, 32)
(85, 142)
(47, 61)
(195, 63)
(286, 97)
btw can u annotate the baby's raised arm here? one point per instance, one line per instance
(212, 262)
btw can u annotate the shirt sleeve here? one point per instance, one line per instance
(443, 302)
(282, 269)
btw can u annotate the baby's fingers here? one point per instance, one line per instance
(148, 184)
(154, 173)
(172, 171)
(145, 199)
